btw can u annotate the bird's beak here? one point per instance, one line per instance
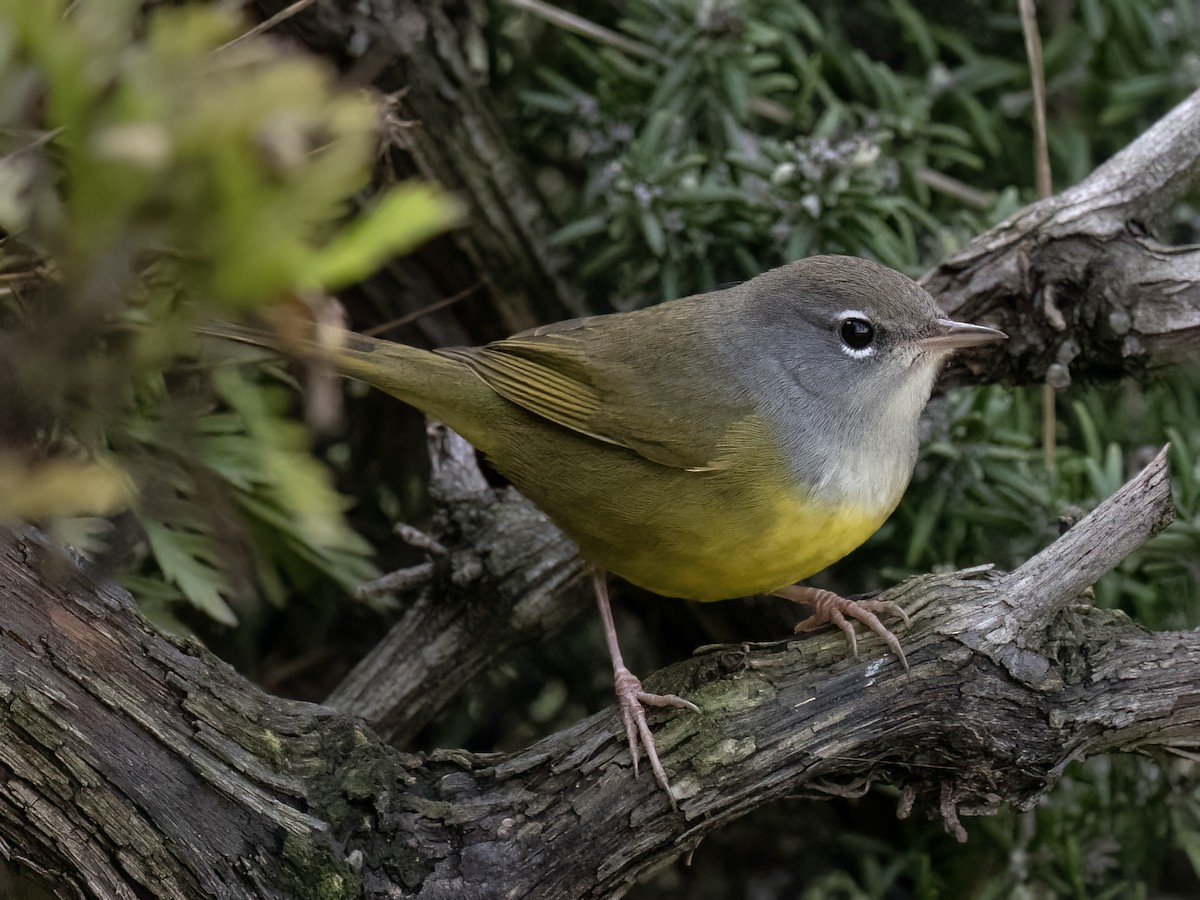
(950, 335)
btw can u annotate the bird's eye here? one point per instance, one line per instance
(857, 333)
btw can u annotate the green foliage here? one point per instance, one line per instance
(1110, 69)
(1092, 841)
(157, 173)
(260, 148)
(738, 146)
(749, 134)
(982, 492)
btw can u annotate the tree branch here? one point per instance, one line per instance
(1142, 507)
(139, 766)
(527, 583)
(1075, 280)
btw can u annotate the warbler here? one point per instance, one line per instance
(715, 446)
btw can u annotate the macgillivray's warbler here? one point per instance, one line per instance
(720, 445)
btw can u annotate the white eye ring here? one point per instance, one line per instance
(854, 325)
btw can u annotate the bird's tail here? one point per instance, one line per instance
(429, 381)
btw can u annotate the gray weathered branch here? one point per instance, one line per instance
(528, 583)
(1077, 281)
(136, 766)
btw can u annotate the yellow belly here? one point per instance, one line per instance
(744, 528)
(752, 554)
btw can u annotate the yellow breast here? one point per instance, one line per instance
(754, 550)
(750, 524)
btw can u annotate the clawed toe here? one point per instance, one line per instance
(663, 701)
(634, 700)
(830, 608)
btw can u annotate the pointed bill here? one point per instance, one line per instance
(951, 335)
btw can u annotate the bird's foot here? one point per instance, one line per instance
(634, 700)
(831, 608)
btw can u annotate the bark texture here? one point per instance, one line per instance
(1079, 282)
(135, 766)
(504, 575)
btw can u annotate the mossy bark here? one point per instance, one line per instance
(139, 766)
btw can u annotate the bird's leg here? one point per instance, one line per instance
(631, 697)
(832, 608)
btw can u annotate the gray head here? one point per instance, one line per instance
(859, 346)
(860, 323)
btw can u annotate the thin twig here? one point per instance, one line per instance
(769, 109)
(400, 581)
(1037, 76)
(960, 191)
(423, 311)
(589, 29)
(281, 16)
(1041, 169)
(40, 141)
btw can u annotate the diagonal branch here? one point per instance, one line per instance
(1077, 561)
(1076, 281)
(523, 581)
(140, 766)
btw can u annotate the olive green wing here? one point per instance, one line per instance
(601, 378)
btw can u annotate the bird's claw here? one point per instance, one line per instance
(633, 700)
(830, 608)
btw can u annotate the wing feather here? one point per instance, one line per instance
(597, 377)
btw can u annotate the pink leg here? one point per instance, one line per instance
(831, 608)
(631, 697)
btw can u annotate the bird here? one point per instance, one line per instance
(715, 446)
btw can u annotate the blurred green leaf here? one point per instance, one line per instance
(399, 221)
(187, 561)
